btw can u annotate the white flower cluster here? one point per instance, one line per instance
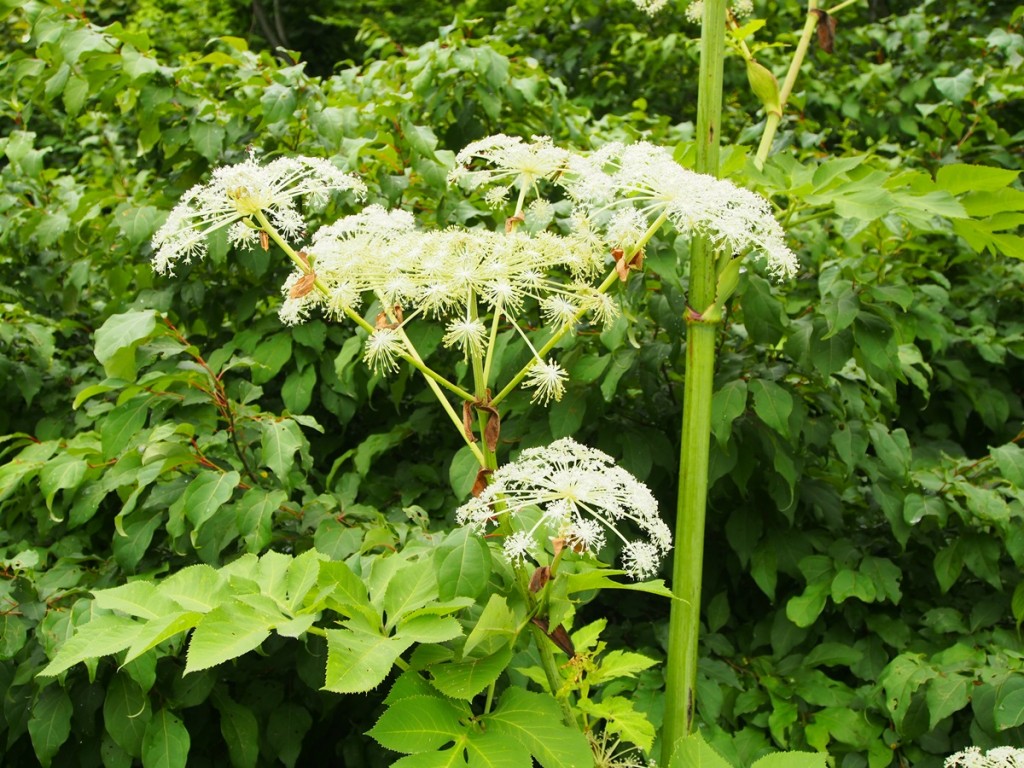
(646, 177)
(999, 757)
(626, 187)
(237, 192)
(695, 10)
(578, 493)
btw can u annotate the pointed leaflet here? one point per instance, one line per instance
(226, 632)
(535, 721)
(166, 742)
(694, 752)
(207, 493)
(358, 661)
(465, 679)
(420, 724)
(411, 588)
(102, 636)
(155, 631)
(495, 628)
(196, 588)
(945, 695)
(622, 719)
(773, 404)
(136, 598)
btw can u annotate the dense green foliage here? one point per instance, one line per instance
(863, 582)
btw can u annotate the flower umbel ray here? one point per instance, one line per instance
(581, 494)
(236, 192)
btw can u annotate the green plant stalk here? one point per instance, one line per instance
(688, 562)
(774, 118)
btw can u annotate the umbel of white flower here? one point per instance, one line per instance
(574, 493)
(998, 757)
(237, 192)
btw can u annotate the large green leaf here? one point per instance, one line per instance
(117, 339)
(228, 631)
(103, 636)
(419, 724)
(166, 742)
(535, 721)
(359, 661)
(50, 724)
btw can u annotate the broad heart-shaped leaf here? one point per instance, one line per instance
(226, 632)
(945, 695)
(1009, 709)
(773, 404)
(126, 713)
(117, 339)
(166, 742)
(727, 405)
(792, 760)
(50, 724)
(102, 636)
(463, 564)
(535, 721)
(280, 441)
(465, 679)
(207, 493)
(420, 724)
(240, 730)
(694, 752)
(358, 661)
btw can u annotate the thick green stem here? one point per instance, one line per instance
(696, 429)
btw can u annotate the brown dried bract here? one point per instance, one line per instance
(826, 30)
(482, 479)
(540, 578)
(264, 240)
(302, 286)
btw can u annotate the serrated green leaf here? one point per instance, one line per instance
(426, 628)
(228, 631)
(410, 588)
(166, 742)
(621, 719)
(593, 579)
(419, 724)
(465, 679)
(137, 598)
(955, 88)
(535, 721)
(359, 661)
(155, 631)
(496, 628)
(103, 636)
(693, 751)
(197, 588)
(957, 178)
